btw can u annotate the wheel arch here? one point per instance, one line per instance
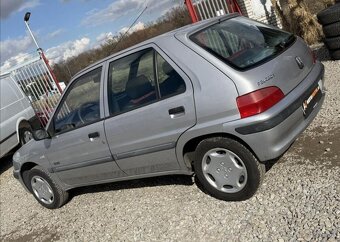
(22, 123)
(24, 172)
(191, 145)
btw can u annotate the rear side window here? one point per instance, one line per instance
(170, 82)
(131, 82)
(140, 79)
(243, 43)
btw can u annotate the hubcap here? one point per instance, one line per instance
(224, 170)
(42, 190)
(27, 136)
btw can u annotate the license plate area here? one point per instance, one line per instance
(311, 101)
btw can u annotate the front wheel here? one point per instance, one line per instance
(45, 190)
(227, 169)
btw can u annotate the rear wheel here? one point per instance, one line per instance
(227, 169)
(44, 189)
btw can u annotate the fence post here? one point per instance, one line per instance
(50, 71)
(191, 10)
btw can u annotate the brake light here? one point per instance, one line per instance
(258, 101)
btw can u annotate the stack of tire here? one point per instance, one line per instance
(330, 20)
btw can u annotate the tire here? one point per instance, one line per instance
(333, 43)
(329, 15)
(45, 190)
(336, 54)
(332, 30)
(25, 135)
(243, 169)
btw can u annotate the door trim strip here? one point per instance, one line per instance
(81, 164)
(145, 151)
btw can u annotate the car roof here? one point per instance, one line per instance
(164, 37)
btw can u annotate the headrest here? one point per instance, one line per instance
(167, 68)
(138, 87)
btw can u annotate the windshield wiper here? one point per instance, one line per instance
(286, 42)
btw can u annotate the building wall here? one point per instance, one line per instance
(261, 10)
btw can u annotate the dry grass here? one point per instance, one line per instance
(298, 17)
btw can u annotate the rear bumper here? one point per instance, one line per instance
(270, 134)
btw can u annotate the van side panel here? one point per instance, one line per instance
(14, 106)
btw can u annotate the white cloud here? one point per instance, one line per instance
(68, 49)
(7, 7)
(112, 12)
(55, 54)
(55, 33)
(104, 36)
(13, 61)
(121, 8)
(136, 27)
(12, 47)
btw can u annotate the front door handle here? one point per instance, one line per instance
(93, 135)
(176, 112)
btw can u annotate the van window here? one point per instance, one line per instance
(243, 43)
(8, 95)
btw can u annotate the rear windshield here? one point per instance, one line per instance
(243, 43)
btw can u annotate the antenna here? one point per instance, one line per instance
(129, 28)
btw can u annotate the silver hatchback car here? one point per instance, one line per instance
(219, 98)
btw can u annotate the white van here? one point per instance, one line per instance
(17, 117)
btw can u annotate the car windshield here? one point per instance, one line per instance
(243, 43)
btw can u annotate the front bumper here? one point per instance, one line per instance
(16, 174)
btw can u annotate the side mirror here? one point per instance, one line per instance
(40, 134)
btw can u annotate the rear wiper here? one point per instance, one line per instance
(284, 43)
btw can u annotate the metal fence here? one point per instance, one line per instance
(205, 9)
(36, 80)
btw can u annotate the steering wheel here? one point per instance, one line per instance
(88, 112)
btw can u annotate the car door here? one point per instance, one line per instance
(78, 151)
(150, 104)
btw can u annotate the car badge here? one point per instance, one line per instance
(299, 62)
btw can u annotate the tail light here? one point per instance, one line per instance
(258, 101)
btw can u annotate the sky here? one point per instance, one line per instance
(65, 28)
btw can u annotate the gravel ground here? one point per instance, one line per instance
(299, 199)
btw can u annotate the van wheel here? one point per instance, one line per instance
(45, 190)
(25, 135)
(227, 169)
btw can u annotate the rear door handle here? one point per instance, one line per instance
(94, 135)
(176, 112)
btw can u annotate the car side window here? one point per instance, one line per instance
(170, 82)
(81, 105)
(131, 82)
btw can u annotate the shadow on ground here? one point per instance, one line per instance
(133, 184)
(6, 162)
